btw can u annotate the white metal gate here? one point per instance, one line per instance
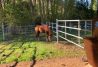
(72, 31)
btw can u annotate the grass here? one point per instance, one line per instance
(47, 51)
(23, 49)
(26, 51)
(27, 55)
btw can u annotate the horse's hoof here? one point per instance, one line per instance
(49, 41)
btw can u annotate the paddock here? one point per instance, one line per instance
(67, 44)
(26, 51)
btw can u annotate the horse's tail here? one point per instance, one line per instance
(38, 28)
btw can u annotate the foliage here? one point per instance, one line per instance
(17, 14)
(94, 6)
(25, 11)
(83, 11)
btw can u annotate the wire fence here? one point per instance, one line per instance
(8, 32)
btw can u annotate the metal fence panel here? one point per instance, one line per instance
(73, 30)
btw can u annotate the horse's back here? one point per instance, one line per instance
(42, 28)
(46, 27)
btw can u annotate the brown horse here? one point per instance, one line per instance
(43, 28)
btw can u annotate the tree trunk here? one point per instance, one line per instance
(47, 10)
(97, 8)
(40, 7)
(43, 10)
(31, 6)
(2, 4)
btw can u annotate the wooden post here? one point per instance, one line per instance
(3, 33)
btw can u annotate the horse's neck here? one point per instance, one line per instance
(37, 24)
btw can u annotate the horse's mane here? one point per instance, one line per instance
(37, 24)
(38, 21)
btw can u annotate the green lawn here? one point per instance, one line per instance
(26, 49)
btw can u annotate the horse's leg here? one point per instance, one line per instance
(48, 36)
(37, 35)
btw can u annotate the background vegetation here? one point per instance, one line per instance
(25, 11)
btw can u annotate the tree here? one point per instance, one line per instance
(24, 11)
(83, 10)
(94, 6)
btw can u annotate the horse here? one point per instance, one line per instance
(43, 28)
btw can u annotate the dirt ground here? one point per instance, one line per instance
(64, 61)
(61, 62)
(54, 62)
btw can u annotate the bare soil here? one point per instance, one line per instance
(61, 62)
(56, 62)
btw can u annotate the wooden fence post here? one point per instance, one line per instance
(3, 33)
